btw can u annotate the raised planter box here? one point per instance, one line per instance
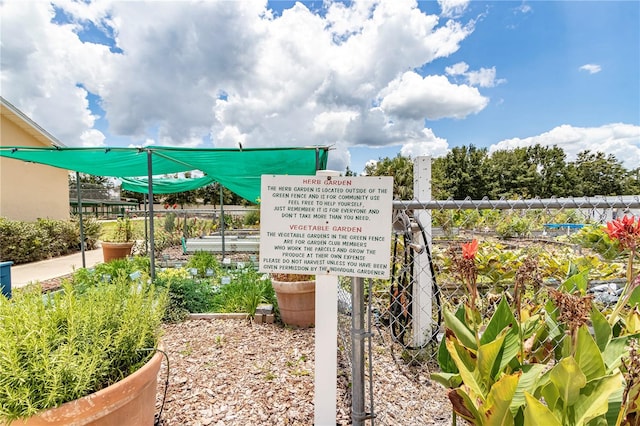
(232, 244)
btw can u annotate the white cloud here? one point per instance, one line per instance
(591, 68)
(342, 78)
(621, 140)
(431, 145)
(523, 8)
(45, 70)
(453, 8)
(485, 77)
(432, 97)
(173, 60)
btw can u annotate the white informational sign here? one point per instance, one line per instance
(326, 225)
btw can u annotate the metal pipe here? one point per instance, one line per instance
(372, 413)
(84, 263)
(631, 201)
(152, 246)
(358, 414)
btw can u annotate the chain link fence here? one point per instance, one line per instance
(536, 243)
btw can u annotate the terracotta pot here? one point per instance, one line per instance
(129, 402)
(296, 302)
(112, 251)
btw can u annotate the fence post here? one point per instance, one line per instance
(422, 288)
(358, 414)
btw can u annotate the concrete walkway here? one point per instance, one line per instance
(21, 275)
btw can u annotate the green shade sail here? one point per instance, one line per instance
(239, 170)
(165, 185)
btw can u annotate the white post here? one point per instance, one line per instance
(326, 350)
(326, 340)
(422, 288)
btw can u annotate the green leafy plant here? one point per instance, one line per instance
(23, 242)
(203, 261)
(117, 269)
(498, 372)
(514, 226)
(252, 217)
(122, 232)
(246, 290)
(71, 343)
(186, 294)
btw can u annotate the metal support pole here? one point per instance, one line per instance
(152, 247)
(146, 225)
(222, 219)
(84, 263)
(358, 334)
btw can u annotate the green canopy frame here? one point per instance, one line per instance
(239, 170)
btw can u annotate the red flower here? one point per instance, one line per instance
(175, 206)
(469, 250)
(625, 230)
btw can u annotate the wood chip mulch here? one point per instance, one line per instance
(232, 372)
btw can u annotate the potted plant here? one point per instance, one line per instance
(296, 295)
(118, 243)
(81, 356)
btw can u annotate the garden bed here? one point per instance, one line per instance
(233, 372)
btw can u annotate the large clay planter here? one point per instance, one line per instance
(296, 302)
(129, 402)
(111, 251)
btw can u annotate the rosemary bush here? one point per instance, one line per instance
(60, 347)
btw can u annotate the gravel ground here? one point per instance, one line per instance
(232, 372)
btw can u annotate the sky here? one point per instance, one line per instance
(372, 79)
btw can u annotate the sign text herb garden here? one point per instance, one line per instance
(326, 225)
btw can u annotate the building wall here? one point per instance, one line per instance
(29, 191)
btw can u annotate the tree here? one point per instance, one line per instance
(401, 168)
(210, 194)
(513, 174)
(598, 174)
(349, 172)
(93, 187)
(555, 179)
(631, 182)
(465, 172)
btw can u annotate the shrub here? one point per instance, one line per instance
(202, 261)
(73, 344)
(112, 271)
(170, 222)
(186, 294)
(22, 242)
(92, 230)
(594, 237)
(514, 226)
(252, 217)
(63, 236)
(244, 293)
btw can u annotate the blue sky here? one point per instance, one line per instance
(371, 78)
